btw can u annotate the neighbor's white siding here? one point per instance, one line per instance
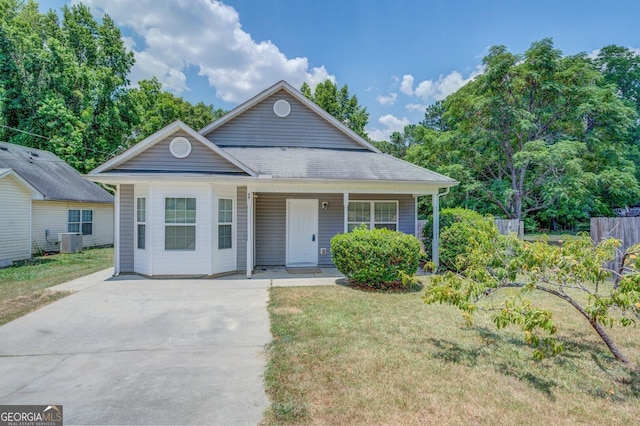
(52, 215)
(15, 206)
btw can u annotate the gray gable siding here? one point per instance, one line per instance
(126, 228)
(260, 127)
(159, 158)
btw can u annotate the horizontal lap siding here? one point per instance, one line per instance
(241, 233)
(53, 216)
(260, 127)
(126, 228)
(14, 220)
(158, 157)
(270, 229)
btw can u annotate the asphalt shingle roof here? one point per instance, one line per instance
(316, 163)
(54, 178)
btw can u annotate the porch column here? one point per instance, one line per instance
(249, 233)
(435, 243)
(345, 202)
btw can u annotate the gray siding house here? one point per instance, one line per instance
(269, 183)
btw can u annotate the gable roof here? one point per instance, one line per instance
(150, 141)
(34, 191)
(284, 86)
(50, 176)
(328, 164)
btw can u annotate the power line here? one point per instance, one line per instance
(108, 154)
(24, 131)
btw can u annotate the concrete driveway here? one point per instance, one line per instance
(139, 351)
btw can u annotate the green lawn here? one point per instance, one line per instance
(343, 356)
(24, 287)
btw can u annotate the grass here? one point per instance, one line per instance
(342, 356)
(24, 287)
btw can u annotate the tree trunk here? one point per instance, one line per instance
(596, 326)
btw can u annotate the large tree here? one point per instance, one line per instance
(157, 108)
(537, 134)
(340, 104)
(65, 79)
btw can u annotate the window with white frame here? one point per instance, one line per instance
(80, 221)
(225, 223)
(180, 224)
(374, 214)
(141, 222)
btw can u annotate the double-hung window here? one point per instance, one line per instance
(141, 221)
(180, 224)
(80, 221)
(225, 222)
(374, 214)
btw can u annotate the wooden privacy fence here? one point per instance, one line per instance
(626, 229)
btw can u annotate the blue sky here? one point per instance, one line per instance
(396, 56)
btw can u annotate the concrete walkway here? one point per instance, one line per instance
(131, 350)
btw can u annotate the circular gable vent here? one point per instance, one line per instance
(180, 147)
(281, 108)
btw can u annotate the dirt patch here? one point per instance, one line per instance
(15, 307)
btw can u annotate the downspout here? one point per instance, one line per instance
(435, 243)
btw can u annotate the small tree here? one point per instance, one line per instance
(575, 267)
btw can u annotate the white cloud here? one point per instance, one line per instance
(391, 123)
(387, 100)
(436, 89)
(205, 34)
(406, 86)
(416, 107)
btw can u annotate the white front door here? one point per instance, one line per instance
(302, 232)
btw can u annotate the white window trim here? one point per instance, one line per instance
(165, 224)
(372, 221)
(141, 223)
(81, 222)
(232, 223)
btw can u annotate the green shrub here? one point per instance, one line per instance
(375, 258)
(460, 230)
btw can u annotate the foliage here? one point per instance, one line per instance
(64, 79)
(536, 134)
(376, 258)
(157, 108)
(573, 272)
(339, 104)
(64, 86)
(461, 230)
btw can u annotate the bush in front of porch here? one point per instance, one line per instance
(376, 258)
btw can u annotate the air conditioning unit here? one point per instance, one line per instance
(70, 242)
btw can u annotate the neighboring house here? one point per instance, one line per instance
(269, 183)
(42, 196)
